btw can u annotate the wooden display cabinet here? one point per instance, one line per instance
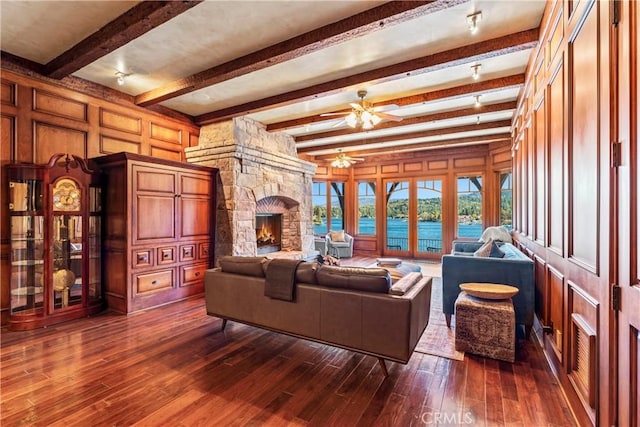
(55, 221)
(159, 229)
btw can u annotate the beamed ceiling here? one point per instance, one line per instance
(287, 63)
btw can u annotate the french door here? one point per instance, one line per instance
(413, 221)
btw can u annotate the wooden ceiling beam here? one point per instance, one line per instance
(428, 118)
(138, 20)
(363, 23)
(464, 54)
(412, 135)
(453, 142)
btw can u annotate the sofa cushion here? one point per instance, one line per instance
(403, 285)
(306, 272)
(356, 278)
(248, 266)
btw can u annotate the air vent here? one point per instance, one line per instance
(583, 366)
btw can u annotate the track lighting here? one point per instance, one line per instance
(476, 71)
(472, 21)
(477, 103)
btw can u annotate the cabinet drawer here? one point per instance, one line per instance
(166, 255)
(150, 282)
(187, 253)
(205, 251)
(192, 273)
(142, 258)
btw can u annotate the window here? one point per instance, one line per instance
(367, 207)
(336, 221)
(328, 206)
(470, 206)
(319, 200)
(397, 226)
(506, 199)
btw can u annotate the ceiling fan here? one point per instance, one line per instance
(363, 115)
(343, 160)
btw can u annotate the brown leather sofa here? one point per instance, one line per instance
(356, 309)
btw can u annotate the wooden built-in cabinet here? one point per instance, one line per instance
(159, 227)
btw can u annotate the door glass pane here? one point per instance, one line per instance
(319, 200)
(337, 206)
(397, 225)
(429, 216)
(67, 260)
(470, 206)
(367, 208)
(27, 264)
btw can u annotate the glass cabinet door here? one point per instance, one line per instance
(27, 246)
(67, 266)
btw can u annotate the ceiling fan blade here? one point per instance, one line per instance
(386, 107)
(339, 123)
(334, 114)
(357, 106)
(389, 117)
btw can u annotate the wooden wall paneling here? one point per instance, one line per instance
(542, 290)
(556, 286)
(56, 105)
(163, 153)
(7, 92)
(7, 147)
(110, 145)
(584, 142)
(556, 159)
(556, 34)
(118, 121)
(51, 139)
(165, 133)
(528, 181)
(539, 170)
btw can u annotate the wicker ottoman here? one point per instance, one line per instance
(485, 327)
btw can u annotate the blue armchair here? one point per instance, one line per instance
(342, 248)
(515, 269)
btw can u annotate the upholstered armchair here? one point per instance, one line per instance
(339, 244)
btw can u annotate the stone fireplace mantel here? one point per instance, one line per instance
(255, 165)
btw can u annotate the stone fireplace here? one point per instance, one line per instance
(260, 173)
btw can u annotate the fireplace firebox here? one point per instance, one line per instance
(268, 233)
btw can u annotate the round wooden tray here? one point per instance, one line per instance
(489, 290)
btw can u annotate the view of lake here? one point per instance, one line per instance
(398, 228)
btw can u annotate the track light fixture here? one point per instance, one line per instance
(473, 20)
(476, 71)
(477, 103)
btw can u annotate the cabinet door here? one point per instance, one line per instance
(154, 207)
(195, 205)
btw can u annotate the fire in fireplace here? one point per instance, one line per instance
(268, 230)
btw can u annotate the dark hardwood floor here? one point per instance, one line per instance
(172, 366)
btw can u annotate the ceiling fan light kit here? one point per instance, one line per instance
(363, 116)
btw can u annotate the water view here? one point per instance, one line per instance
(428, 231)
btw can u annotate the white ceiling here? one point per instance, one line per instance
(214, 32)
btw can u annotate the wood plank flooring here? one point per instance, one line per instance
(172, 366)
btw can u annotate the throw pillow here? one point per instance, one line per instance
(496, 252)
(337, 236)
(496, 233)
(484, 250)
